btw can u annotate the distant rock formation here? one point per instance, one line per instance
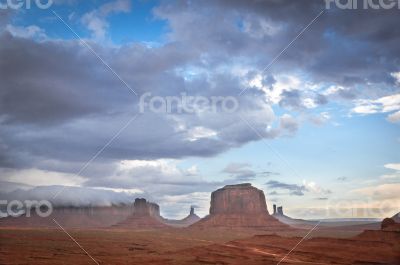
(239, 205)
(185, 222)
(191, 218)
(389, 224)
(278, 210)
(72, 217)
(146, 215)
(143, 208)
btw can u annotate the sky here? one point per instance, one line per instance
(313, 117)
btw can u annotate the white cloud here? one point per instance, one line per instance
(96, 21)
(288, 124)
(381, 192)
(157, 177)
(309, 103)
(394, 117)
(283, 83)
(315, 188)
(396, 75)
(259, 27)
(382, 105)
(177, 206)
(394, 166)
(37, 177)
(390, 176)
(321, 118)
(365, 107)
(390, 103)
(72, 196)
(127, 191)
(273, 92)
(332, 90)
(199, 132)
(29, 32)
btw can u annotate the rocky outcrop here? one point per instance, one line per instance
(239, 205)
(143, 208)
(389, 224)
(278, 210)
(185, 222)
(146, 215)
(242, 198)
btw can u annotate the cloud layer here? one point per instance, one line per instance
(59, 104)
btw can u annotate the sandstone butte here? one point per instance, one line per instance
(145, 215)
(239, 205)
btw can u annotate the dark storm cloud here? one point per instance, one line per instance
(342, 46)
(59, 105)
(291, 99)
(5, 15)
(60, 95)
(321, 99)
(48, 82)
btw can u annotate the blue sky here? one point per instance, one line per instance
(324, 118)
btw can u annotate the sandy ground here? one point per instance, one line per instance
(197, 246)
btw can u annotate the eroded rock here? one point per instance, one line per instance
(239, 205)
(146, 215)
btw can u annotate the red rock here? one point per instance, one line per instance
(242, 198)
(239, 205)
(389, 224)
(146, 215)
(143, 208)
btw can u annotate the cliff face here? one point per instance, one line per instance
(143, 208)
(389, 224)
(239, 206)
(146, 215)
(238, 199)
